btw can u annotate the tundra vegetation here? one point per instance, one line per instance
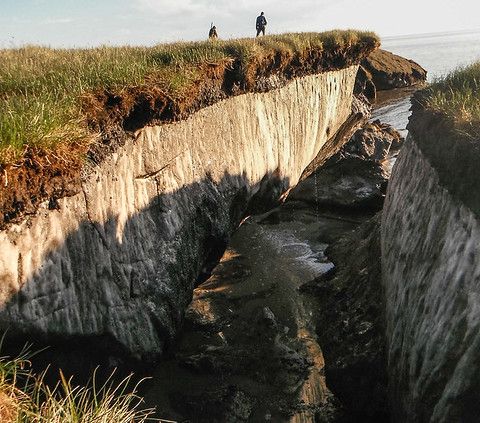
(26, 398)
(457, 96)
(60, 100)
(63, 111)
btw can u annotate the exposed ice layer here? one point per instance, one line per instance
(431, 273)
(120, 259)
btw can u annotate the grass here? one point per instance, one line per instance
(457, 96)
(43, 91)
(26, 398)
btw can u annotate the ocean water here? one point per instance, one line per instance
(438, 53)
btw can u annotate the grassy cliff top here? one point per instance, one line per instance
(61, 109)
(59, 101)
(457, 96)
(445, 124)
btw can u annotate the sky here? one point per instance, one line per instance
(85, 23)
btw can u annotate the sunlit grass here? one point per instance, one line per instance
(41, 89)
(457, 95)
(26, 398)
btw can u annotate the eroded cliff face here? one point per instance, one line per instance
(120, 259)
(382, 70)
(431, 275)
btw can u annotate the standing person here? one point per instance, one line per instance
(213, 32)
(261, 24)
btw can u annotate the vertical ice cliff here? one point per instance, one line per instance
(119, 260)
(431, 275)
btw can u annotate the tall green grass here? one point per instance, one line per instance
(26, 398)
(41, 89)
(457, 95)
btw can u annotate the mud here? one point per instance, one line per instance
(292, 282)
(249, 351)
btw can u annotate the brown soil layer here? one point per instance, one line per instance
(49, 175)
(40, 176)
(383, 70)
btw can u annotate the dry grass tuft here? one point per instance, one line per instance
(26, 398)
(9, 407)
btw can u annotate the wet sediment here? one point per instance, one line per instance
(250, 348)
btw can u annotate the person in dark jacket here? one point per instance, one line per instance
(261, 24)
(212, 34)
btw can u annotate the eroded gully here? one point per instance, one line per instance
(249, 349)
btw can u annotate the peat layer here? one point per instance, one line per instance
(382, 70)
